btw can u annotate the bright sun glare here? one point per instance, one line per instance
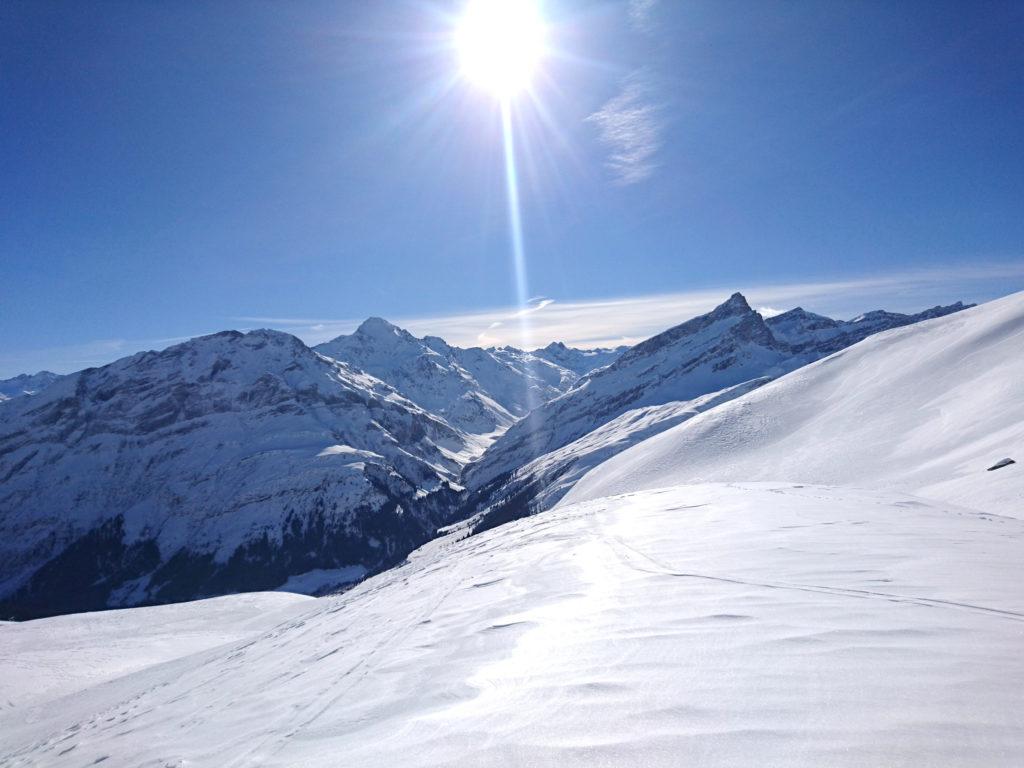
(500, 43)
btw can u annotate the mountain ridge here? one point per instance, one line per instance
(252, 461)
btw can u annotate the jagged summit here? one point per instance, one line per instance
(734, 314)
(926, 410)
(737, 303)
(797, 312)
(807, 333)
(939, 310)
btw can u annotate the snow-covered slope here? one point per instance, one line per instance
(728, 346)
(232, 461)
(765, 625)
(927, 408)
(540, 484)
(725, 347)
(26, 384)
(475, 390)
(46, 659)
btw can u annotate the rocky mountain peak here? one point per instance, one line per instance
(735, 312)
(735, 305)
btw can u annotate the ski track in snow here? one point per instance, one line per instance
(762, 623)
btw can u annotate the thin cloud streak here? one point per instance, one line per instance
(627, 320)
(630, 125)
(602, 322)
(641, 14)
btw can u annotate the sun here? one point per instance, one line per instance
(500, 44)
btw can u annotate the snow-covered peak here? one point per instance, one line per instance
(26, 384)
(728, 346)
(940, 310)
(379, 328)
(812, 336)
(477, 391)
(579, 361)
(732, 317)
(230, 461)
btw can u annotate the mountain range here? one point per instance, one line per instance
(822, 570)
(652, 386)
(245, 461)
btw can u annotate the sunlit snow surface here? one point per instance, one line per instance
(924, 409)
(714, 625)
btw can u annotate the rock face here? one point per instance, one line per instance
(26, 384)
(230, 462)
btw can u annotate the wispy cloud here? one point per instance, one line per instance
(601, 322)
(641, 14)
(487, 339)
(630, 127)
(627, 320)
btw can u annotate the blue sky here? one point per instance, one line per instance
(173, 169)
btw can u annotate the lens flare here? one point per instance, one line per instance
(500, 44)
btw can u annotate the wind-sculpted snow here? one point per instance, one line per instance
(925, 408)
(233, 461)
(742, 625)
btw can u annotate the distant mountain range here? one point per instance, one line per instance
(26, 384)
(238, 462)
(481, 392)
